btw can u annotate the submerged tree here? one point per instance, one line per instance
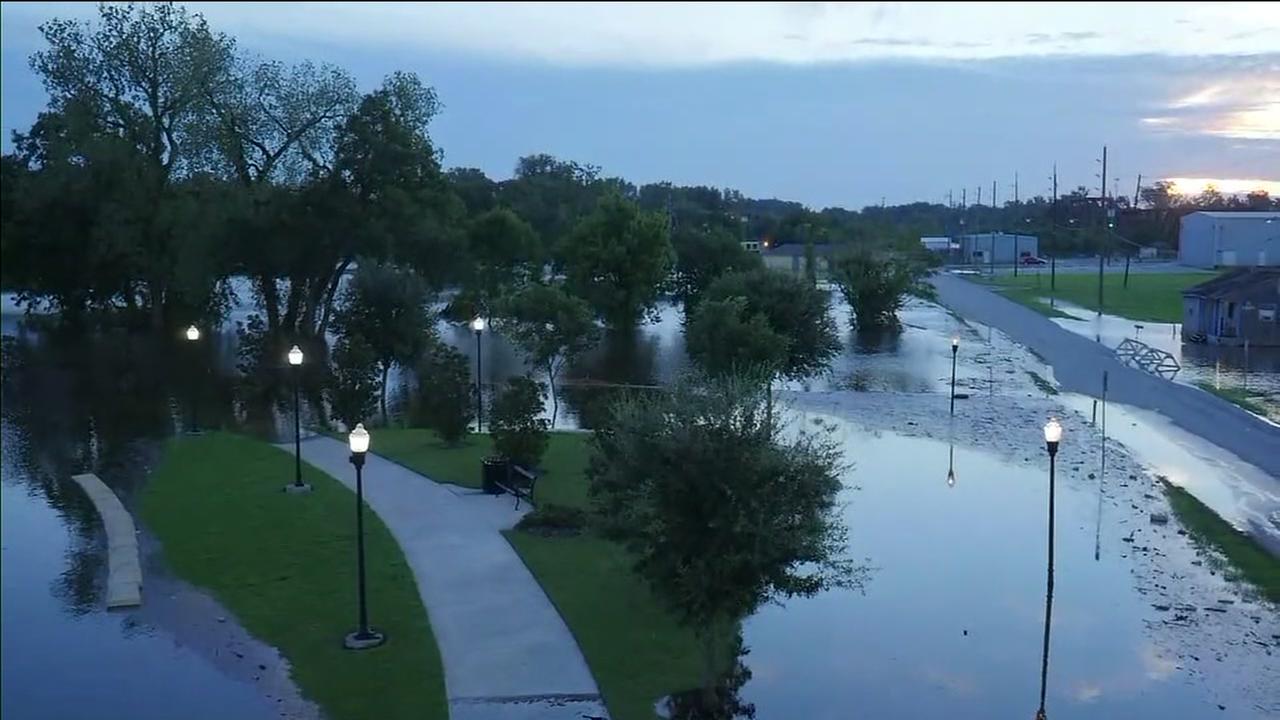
(721, 510)
(551, 327)
(701, 257)
(875, 287)
(386, 307)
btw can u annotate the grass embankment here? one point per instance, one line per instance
(285, 565)
(1246, 399)
(1150, 297)
(1246, 559)
(635, 649)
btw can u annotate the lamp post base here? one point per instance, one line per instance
(363, 640)
(296, 489)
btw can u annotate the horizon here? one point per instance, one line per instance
(845, 106)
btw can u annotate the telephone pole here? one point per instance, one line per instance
(1137, 191)
(1103, 205)
(1015, 187)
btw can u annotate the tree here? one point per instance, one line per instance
(519, 434)
(791, 309)
(386, 307)
(726, 338)
(875, 286)
(722, 511)
(701, 257)
(551, 328)
(140, 76)
(446, 395)
(505, 255)
(353, 387)
(617, 259)
(551, 194)
(478, 193)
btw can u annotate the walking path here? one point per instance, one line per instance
(507, 653)
(1078, 364)
(124, 572)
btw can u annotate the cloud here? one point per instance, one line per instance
(696, 34)
(1233, 100)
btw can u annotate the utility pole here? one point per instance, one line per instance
(1137, 192)
(1053, 215)
(964, 198)
(1015, 187)
(1103, 199)
(979, 195)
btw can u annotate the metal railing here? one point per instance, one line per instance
(1154, 360)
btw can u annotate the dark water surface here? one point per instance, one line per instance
(951, 622)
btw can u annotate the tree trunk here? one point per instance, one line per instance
(555, 402)
(270, 301)
(330, 292)
(386, 368)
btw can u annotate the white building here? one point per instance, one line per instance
(1229, 239)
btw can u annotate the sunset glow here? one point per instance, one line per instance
(1226, 186)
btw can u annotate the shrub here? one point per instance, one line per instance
(445, 400)
(553, 520)
(518, 433)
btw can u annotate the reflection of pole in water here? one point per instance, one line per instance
(951, 454)
(1102, 472)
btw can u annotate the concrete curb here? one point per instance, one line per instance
(124, 570)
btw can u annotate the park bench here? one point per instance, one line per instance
(520, 482)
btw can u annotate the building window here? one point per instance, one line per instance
(1266, 314)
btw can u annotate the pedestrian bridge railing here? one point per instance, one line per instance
(1143, 356)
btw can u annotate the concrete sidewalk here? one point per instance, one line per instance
(1078, 363)
(507, 654)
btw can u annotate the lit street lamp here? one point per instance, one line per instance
(955, 347)
(1052, 435)
(297, 486)
(478, 325)
(364, 637)
(193, 336)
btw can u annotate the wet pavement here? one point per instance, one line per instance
(1257, 370)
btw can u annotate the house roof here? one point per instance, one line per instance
(797, 250)
(1239, 282)
(1242, 215)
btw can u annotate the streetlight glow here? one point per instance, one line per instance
(193, 333)
(1052, 431)
(295, 355)
(478, 324)
(358, 440)
(955, 343)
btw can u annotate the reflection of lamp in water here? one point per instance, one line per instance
(1052, 436)
(951, 465)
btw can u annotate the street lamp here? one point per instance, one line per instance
(1052, 435)
(364, 637)
(297, 486)
(955, 347)
(193, 336)
(478, 325)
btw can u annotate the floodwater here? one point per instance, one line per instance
(103, 403)
(951, 620)
(1222, 366)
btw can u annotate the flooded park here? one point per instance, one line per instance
(947, 513)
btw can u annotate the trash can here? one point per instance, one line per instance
(493, 473)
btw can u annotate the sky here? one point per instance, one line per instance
(824, 103)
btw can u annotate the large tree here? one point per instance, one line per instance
(551, 328)
(721, 510)
(876, 285)
(702, 255)
(618, 259)
(386, 308)
(505, 255)
(140, 75)
(791, 308)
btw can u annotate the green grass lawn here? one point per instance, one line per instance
(1246, 558)
(421, 451)
(1247, 399)
(1151, 297)
(635, 649)
(285, 565)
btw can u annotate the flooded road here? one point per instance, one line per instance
(951, 621)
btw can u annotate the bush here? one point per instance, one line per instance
(353, 387)
(553, 520)
(446, 396)
(518, 433)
